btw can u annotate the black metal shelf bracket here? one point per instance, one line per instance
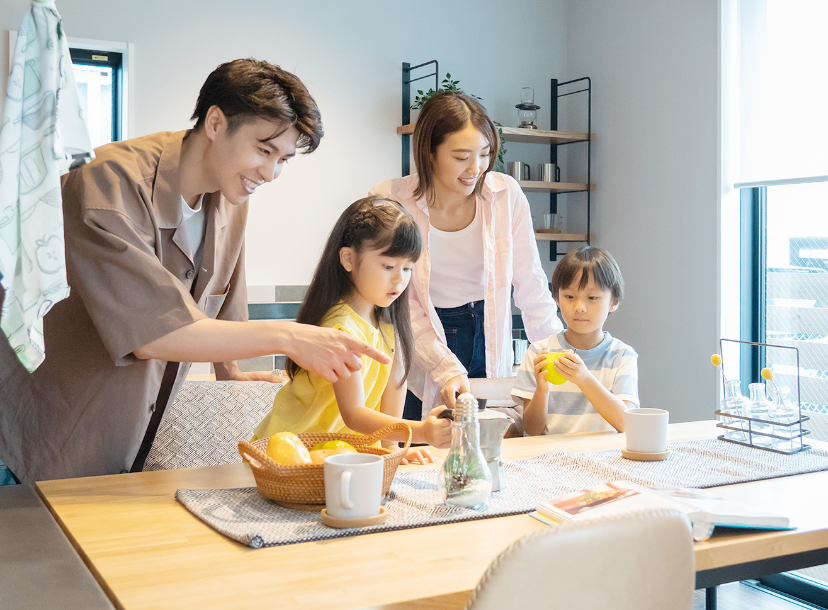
(554, 95)
(407, 69)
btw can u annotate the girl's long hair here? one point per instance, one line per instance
(374, 223)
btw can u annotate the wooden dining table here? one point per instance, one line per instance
(148, 552)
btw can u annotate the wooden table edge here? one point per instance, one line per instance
(79, 550)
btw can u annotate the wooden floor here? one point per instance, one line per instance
(749, 595)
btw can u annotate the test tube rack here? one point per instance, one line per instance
(745, 424)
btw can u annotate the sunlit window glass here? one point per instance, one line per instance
(95, 92)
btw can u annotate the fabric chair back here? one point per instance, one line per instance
(640, 560)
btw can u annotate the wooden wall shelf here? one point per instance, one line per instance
(536, 186)
(528, 136)
(563, 236)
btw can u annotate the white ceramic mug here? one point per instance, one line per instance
(646, 430)
(353, 485)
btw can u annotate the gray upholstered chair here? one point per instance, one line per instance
(205, 422)
(641, 560)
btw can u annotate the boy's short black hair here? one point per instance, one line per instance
(247, 88)
(586, 261)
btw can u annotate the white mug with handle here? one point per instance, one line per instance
(353, 485)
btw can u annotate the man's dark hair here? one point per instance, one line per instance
(247, 88)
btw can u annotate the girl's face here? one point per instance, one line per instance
(378, 280)
(460, 161)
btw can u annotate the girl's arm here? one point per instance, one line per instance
(393, 403)
(532, 294)
(350, 397)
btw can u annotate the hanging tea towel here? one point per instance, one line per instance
(42, 134)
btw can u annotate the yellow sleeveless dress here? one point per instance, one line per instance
(308, 404)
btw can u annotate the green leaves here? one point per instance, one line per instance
(500, 165)
(447, 84)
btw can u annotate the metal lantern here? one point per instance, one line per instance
(527, 109)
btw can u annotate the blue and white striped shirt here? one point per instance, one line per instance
(614, 364)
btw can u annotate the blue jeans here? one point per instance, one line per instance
(465, 338)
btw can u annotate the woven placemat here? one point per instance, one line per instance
(414, 500)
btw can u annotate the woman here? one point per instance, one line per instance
(478, 243)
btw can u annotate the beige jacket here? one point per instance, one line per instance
(132, 281)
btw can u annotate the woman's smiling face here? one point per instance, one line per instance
(460, 161)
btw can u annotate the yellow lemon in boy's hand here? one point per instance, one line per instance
(332, 445)
(553, 376)
(287, 449)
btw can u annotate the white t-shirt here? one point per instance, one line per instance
(456, 264)
(194, 226)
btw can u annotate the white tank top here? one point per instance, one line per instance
(456, 264)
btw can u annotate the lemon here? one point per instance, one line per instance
(716, 360)
(332, 445)
(553, 376)
(318, 455)
(287, 449)
(767, 374)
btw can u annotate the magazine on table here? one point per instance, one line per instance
(705, 509)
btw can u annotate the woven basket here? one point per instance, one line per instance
(305, 484)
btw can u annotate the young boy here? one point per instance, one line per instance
(601, 372)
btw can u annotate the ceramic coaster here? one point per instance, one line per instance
(645, 457)
(342, 523)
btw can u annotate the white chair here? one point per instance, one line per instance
(641, 560)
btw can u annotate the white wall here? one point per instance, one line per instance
(349, 55)
(655, 112)
(654, 71)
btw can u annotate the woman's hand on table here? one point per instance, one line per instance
(419, 456)
(453, 388)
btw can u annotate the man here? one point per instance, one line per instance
(155, 260)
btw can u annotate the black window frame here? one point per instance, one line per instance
(753, 288)
(110, 59)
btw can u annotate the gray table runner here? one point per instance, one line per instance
(414, 501)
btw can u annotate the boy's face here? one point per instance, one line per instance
(585, 309)
(242, 160)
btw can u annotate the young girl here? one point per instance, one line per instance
(359, 287)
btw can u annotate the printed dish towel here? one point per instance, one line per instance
(42, 134)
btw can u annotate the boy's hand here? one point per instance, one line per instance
(570, 365)
(437, 431)
(540, 372)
